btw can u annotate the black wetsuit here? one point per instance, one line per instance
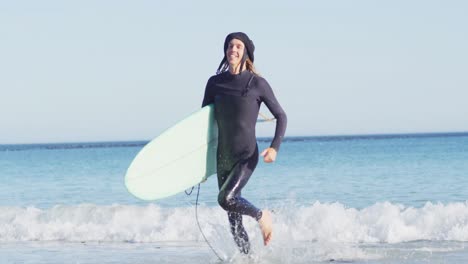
(237, 100)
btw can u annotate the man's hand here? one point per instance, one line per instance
(269, 155)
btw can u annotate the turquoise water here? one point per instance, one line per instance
(369, 199)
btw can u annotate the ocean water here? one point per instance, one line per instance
(353, 199)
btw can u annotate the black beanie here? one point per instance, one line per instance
(248, 43)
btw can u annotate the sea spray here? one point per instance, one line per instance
(318, 222)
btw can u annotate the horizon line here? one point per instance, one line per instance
(261, 138)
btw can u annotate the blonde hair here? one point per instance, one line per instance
(251, 67)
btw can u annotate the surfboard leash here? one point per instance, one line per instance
(199, 227)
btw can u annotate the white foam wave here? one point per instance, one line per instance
(382, 222)
(319, 222)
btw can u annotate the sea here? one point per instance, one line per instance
(335, 199)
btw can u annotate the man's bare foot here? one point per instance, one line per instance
(266, 226)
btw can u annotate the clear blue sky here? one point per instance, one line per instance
(127, 70)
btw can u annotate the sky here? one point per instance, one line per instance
(84, 71)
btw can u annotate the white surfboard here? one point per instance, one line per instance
(181, 157)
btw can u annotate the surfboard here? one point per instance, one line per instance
(179, 158)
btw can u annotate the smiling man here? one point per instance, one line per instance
(237, 91)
